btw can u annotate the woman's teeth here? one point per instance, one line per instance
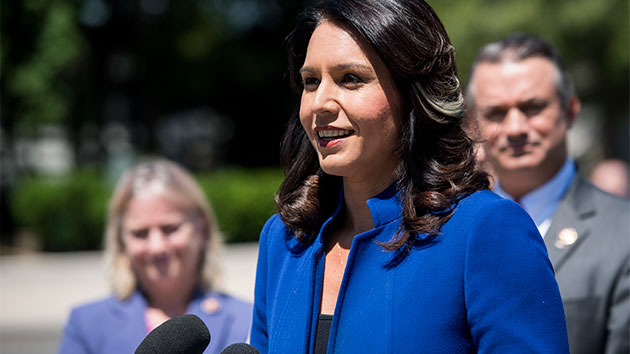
(330, 134)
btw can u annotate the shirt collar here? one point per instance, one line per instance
(542, 201)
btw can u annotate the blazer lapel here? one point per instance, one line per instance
(568, 227)
(293, 321)
(129, 322)
(211, 309)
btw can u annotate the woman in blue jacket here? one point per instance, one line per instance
(387, 239)
(162, 243)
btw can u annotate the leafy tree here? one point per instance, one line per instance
(41, 41)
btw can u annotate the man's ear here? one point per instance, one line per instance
(471, 124)
(572, 110)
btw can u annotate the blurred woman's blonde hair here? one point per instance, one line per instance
(163, 177)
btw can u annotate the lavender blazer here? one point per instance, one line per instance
(115, 326)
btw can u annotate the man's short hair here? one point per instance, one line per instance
(517, 47)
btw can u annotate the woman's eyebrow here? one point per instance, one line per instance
(352, 66)
(307, 69)
(339, 67)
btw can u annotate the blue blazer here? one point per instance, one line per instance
(115, 326)
(484, 285)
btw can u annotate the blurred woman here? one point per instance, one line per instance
(387, 239)
(162, 245)
(612, 176)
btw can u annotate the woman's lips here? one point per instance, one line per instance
(331, 137)
(329, 142)
(161, 262)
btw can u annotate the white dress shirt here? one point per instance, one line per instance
(542, 202)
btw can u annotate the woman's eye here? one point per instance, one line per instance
(351, 80)
(169, 229)
(309, 83)
(140, 234)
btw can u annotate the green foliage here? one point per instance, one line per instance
(591, 36)
(65, 213)
(242, 199)
(69, 213)
(35, 79)
(58, 69)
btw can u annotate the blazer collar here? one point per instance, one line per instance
(569, 227)
(384, 207)
(138, 303)
(131, 306)
(129, 318)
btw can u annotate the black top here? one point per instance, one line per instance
(323, 332)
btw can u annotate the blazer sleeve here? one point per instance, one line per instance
(259, 334)
(72, 339)
(618, 341)
(512, 298)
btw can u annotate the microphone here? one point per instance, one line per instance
(240, 348)
(185, 334)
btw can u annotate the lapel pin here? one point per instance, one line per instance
(566, 237)
(210, 305)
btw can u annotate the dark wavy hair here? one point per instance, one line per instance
(437, 165)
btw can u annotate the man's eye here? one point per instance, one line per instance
(494, 115)
(533, 109)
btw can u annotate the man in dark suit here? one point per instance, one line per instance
(522, 103)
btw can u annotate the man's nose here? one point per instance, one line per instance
(515, 123)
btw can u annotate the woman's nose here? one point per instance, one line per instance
(157, 241)
(325, 100)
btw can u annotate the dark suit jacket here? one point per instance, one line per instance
(115, 326)
(589, 246)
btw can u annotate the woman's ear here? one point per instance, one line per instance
(204, 228)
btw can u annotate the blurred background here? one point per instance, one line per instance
(89, 86)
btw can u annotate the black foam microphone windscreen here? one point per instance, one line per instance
(185, 334)
(240, 348)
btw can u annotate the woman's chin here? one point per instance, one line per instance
(334, 170)
(337, 166)
(357, 171)
(163, 279)
(166, 285)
